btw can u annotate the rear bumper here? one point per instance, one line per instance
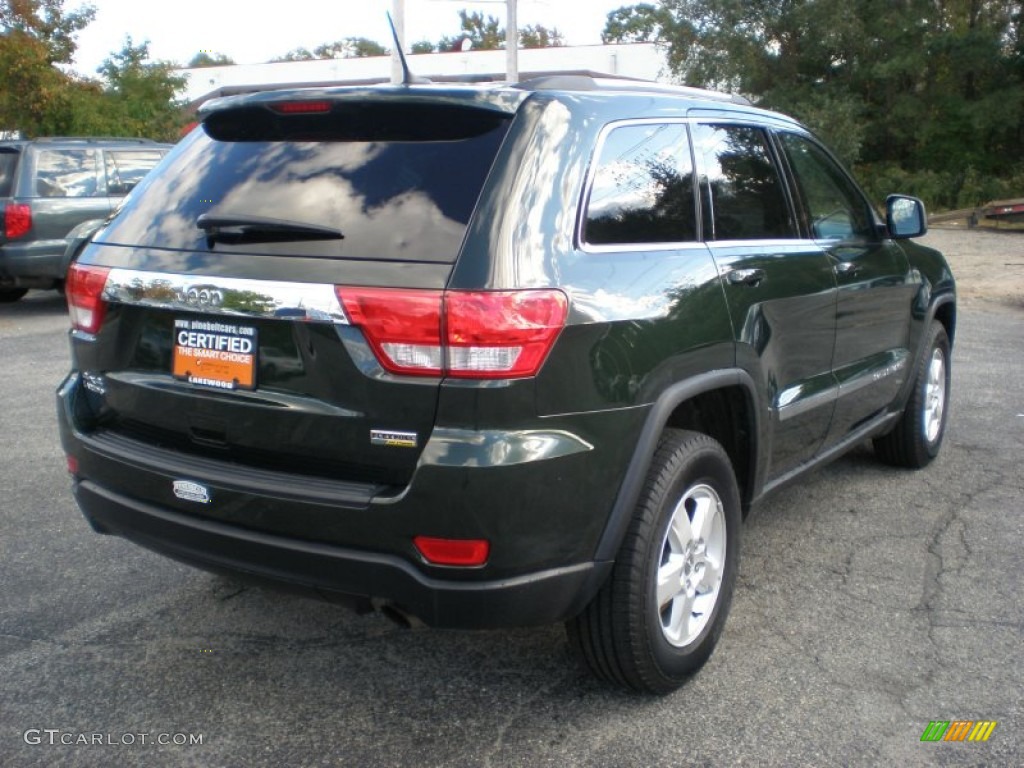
(536, 598)
(543, 510)
(32, 262)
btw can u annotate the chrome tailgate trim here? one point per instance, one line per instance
(236, 297)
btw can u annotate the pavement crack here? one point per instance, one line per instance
(520, 708)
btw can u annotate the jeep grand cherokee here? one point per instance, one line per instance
(492, 356)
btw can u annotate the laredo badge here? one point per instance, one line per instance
(189, 491)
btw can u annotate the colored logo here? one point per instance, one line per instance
(958, 730)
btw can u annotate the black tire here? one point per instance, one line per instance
(10, 295)
(917, 437)
(622, 635)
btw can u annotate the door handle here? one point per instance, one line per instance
(751, 277)
(847, 268)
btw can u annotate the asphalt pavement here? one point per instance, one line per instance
(871, 601)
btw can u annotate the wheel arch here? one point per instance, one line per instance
(941, 309)
(944, 311)
(721, 404)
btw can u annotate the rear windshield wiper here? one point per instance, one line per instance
(236, 228)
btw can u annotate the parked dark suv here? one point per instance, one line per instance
(496, 356)
(48, 186)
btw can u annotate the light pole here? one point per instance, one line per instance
(398, 18)
(511, 43)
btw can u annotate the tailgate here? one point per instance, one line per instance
(224, 334)
(268, 374)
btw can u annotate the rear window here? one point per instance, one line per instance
(399, 184)
(126, 168)
(8, 165)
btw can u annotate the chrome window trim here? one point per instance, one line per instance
(682, 245)
(231, 296)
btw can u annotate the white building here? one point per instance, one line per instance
(639, 61)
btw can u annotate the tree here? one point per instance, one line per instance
(37, 98)
(142, 93)
(423, 46)
(350, 48)
(361, 47)
(484, 33)
(296, 54)
(47, 22)
(539, 36)
(33, 90)
(209, 59)
(643, 23)
(934, 88)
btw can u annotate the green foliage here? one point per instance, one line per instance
(296, 54)
(423, 46)
(920, 93)
(349, 48)
(539, 36)
(643, 23)
(941, 190)
(209, 59)
(141, 93)
(38, 99)
(485, 33)
(33, 92)
(47, 22)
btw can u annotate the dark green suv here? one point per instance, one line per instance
(496, 356)
(48, 186)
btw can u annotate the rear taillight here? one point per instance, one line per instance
(501, 334)
(465, 334)
(84, 290)
(17, 220)
(402, 326)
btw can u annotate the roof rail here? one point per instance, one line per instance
(127, 139)
(589, 83)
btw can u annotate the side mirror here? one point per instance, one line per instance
(905, 217)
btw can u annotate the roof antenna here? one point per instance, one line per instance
(408, 78)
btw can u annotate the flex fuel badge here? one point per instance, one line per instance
(390, 439)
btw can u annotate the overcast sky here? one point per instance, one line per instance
(240, 29)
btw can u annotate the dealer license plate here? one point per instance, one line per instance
(214, 353)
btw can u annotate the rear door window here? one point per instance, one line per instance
(126, 167)
(642, 189)
(742, 194)
(66, 173)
